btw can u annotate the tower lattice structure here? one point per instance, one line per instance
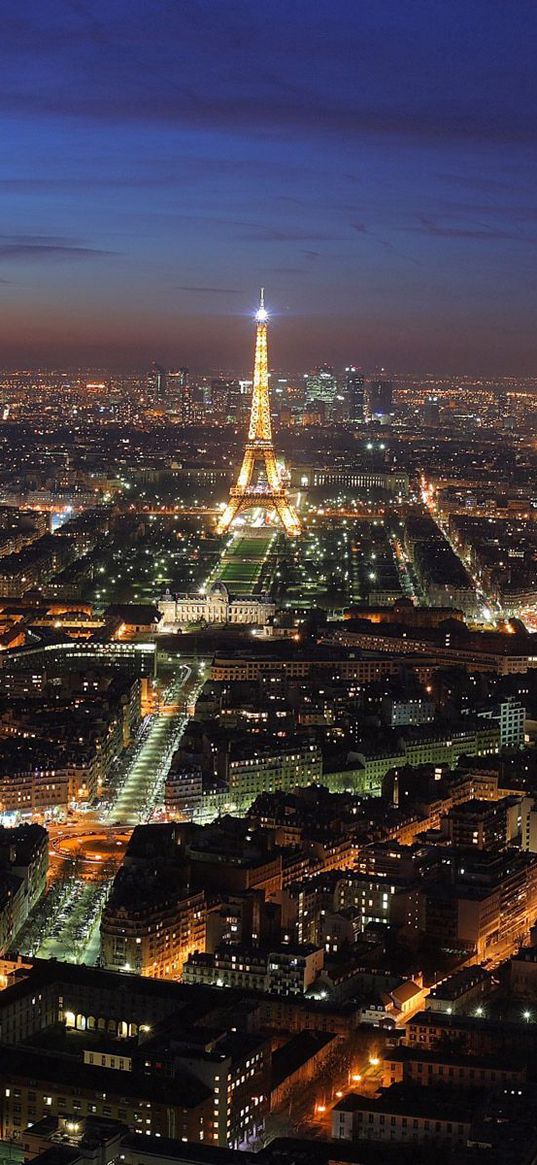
(258, 483)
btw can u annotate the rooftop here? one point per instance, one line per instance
(296, 1052)
(414, 1100)
(182, 1089)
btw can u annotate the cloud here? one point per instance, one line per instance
(88, 182)
(259, 232)
(159, 173)
(425, 72)
(479, 232)
(203, 71)
(29, 247)
(267, 234)
(40, 240)
(211, 290)
(509, 212)
(312, 112)
(487, 183)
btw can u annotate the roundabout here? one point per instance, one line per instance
(91, 847)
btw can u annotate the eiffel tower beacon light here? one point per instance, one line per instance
(254, 488)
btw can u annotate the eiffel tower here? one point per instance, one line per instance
(255, 488)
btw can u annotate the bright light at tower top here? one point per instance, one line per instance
(261, 314)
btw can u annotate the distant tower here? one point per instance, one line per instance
(321, 385)
(354, 392)
(157, 385)
(380, 400)
(431, 411)
(266, 490)
(179, 397)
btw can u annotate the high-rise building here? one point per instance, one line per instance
(502, 404)
(179, 399)
(280, 393)
(320, 385)
(354, 394)
(431, 411)
(157, 383)
(225, 398)
(219, 397)
(235, 400)
(380, 400)
(200, 398)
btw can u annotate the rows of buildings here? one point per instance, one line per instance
(233, 902)
(69, 713)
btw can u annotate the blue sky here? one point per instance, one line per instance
(373, 163)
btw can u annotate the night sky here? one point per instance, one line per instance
(371, 162)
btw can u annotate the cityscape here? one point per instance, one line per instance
(268, 595)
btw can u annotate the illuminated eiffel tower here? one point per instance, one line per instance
(255, 488)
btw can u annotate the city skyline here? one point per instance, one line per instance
(268, 583)
(374, 169)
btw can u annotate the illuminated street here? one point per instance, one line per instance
(84, 856)
(141, 788)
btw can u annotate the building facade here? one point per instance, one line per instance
(214, 606)
(151, 931)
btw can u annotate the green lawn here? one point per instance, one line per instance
(250, 547)
(242, 563)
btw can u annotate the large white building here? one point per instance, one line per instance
(214, 606)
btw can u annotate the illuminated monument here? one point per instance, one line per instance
(258, 483)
